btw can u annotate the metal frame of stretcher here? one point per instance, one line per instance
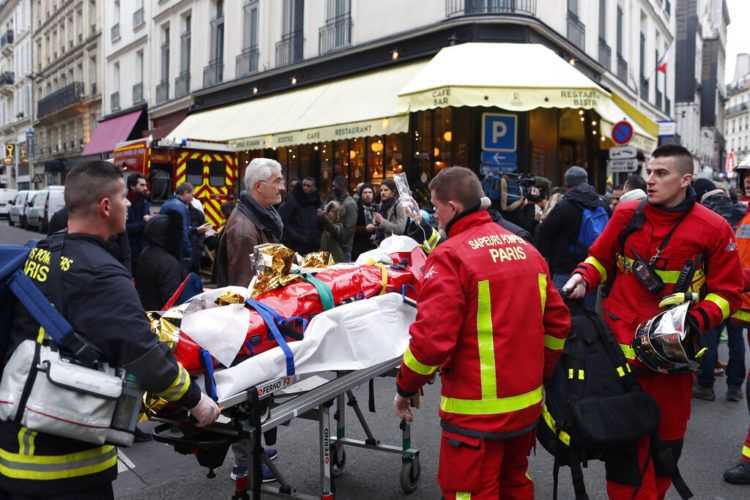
(262, 408)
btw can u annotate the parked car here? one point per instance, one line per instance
(43, 206)
(17, 212)
(6, 198)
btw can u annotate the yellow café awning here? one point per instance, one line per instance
(515, 77)
(360, 106)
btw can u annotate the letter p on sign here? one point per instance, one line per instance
(499, 132)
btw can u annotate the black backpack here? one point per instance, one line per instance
(593, 403)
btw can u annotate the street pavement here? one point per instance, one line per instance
(713, 444)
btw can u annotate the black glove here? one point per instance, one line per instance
(691, 325)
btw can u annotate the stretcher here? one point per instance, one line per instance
(258, 410)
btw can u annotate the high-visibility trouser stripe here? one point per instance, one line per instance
(492, 406)
(746, 452)
(721, 302)
(554, 343)
(598, 265)
(550, 421)
(463, 495)
(178, 388)
(486, 342)
(26, 440)
(41, 468)
(543, 290)
(416, 366)
(628, 351)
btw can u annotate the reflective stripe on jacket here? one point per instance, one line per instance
(742, 315)
(491, 319)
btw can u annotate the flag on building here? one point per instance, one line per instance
(661, 66)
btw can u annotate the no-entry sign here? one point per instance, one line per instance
(622, 132)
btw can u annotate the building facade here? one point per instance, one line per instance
(737, 120)
(15, 94)
(67, 66)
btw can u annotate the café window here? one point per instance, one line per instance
(394, 154)
(375, 154)
(194, 169)
(356, 162)
(340, 158)
(326, 168)
(217, 174)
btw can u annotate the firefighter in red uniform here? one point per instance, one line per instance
(740, 473)
(689, 229)
(490, 318)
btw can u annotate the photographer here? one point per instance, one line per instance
(534, 192)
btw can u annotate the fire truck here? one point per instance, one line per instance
(209, 166)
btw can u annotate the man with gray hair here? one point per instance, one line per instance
(253, 221)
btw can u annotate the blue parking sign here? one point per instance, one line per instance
(498, 132)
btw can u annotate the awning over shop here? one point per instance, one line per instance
(515, 77)
(361, 106)
(109, 132)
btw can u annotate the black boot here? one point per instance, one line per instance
(739, 474)
(142, 437)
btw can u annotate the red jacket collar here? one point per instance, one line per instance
(469, 221)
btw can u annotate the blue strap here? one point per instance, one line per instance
(271, 318)
(208, 370)
(404, 289)
(294, 319)
(39, 307)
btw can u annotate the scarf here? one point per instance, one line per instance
(267, 218)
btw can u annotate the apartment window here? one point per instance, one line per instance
(115, 96)
(92, 74)
(162, 89)
(603, 19)
(182, 83)
(247, 61)
(336, 33)
(605, 52)
(576, 29)
(214, 72)
(138, 86)
(289, 49)
(116, 19)
(138, 15)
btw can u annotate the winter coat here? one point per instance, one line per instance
(159, 273)
(174, 204)
(349, 220)
(561, 227)
(333, 232)
(394, 221)
(721, 204)
(139, 206)
(300, 215)
(362, 238)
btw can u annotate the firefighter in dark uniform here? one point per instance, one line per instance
(102, 305)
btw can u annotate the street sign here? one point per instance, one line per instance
(667, 128)
(492, 157)
(622, 152)
(627, 165)
(622, 132)
(497, 168)
(498, 132)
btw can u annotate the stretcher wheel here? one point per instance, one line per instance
(337, 467)
(410, 471)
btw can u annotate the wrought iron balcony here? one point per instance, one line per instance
(738, 108)
(289, 49)
(162, 92)
(114, 101)
(576, 31)
(182, 84)
(138, 18)
(247, 61)
(71, 93)
(336, 34)
(115, 32)
(6, 39)
(622, 69)
(474, 7)
(138, 93)
(605, 54)
(213, 74)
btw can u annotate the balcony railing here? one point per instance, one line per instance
(115, 32)
(289, 49)
(622, 69)
(213, 74)
(182, 84)
(7, 78)
(644, 87)
(336, 34)
(6, 39)
(738, 108)
(474, 7)
(247, 61)
(605, 54)
(576, 31)
(71, 93)
(138, 18)
(114, 101)
(138, 93)
(162, 91)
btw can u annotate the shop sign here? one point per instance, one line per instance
(667, 128)
(499, 132)
(627, 165)
(622, 152)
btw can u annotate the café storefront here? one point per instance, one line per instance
(420, 117)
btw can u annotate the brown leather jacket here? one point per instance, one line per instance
(234, 263)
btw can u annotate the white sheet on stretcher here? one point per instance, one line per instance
(349, 337)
